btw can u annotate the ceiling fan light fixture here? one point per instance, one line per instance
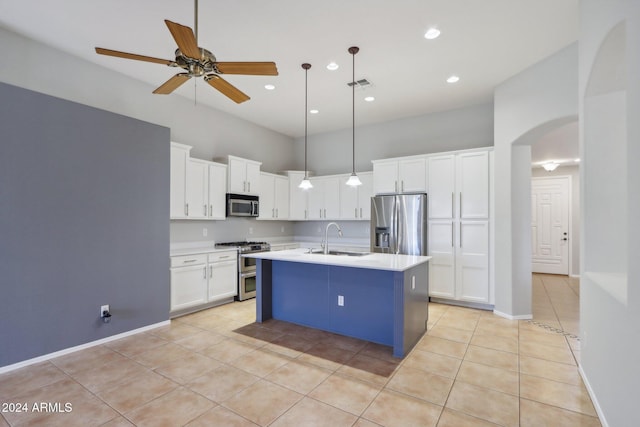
(550, 166)
(269, 87)
(369, 98)
(314, 111)
(453, 79)
(332, 66)
(305, 184)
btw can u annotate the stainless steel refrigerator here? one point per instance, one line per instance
(399, 224)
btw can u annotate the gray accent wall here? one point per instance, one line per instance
(84, 221)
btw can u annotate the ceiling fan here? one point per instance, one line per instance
(199, 62)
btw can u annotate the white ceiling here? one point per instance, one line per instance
(483, 42)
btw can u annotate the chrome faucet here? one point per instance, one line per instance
(325, 246)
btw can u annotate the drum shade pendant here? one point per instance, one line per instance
(353, 180)
(305, 184)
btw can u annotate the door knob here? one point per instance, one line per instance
(565, 238)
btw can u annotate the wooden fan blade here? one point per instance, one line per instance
(172, 84)
(248, 68)
(126, 55)
(185, 39)
(226, 88)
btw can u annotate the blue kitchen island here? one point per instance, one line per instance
(380, 298)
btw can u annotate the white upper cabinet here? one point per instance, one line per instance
(217, 190)
(243, 176)
(403, 175)
(473, 185)
(442, 187)
(274, 197)
(281, 187)
(298, 198)
(197, 189)
(355, 202)
(178, 180)
(324, 198)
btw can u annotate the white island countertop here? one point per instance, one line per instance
(374, 261)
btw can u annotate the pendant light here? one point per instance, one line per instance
(353, 180)
(305, 184)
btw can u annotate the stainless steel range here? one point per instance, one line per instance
(246, 266)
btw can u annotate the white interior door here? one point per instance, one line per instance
(550, 225)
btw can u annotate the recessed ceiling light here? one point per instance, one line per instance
(432, 33)
(453, 79)
(332, 66)
(369, 99)
(269, 87)
(314, 111)
(577, 160)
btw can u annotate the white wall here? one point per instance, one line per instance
(330, 153)
(609, 91)
(574, 236)
(212, 133)
(527, 106)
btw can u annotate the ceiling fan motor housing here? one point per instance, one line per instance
(197, 67)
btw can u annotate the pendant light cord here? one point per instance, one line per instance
(353, 50)
(306, 70)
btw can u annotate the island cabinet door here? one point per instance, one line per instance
(361, 303)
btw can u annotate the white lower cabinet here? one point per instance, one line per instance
(223, 275)
(188, 281)
(201, 279)
(459, 268)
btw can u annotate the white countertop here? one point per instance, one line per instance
(373, 261)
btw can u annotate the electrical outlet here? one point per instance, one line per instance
(104, 308)
(282, 229)
(250, 230)
(204, 232)
(340, 300)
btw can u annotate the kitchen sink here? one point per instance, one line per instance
(341, 253)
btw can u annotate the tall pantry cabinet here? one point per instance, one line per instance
(459, 226)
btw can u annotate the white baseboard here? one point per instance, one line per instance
(575, 276)
(594, 400)
(62, 352)
(511, 317)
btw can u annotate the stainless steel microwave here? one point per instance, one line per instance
(242, 205)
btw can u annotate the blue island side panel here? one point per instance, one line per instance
(300, 293)
(368, 310)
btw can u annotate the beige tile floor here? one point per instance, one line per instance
(219, 368)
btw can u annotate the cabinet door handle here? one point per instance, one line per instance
(360, 212)
(460, 235)
(204, 272)
(460, 204)
(205, 209)
(273, 213)
(223, 257)
(402, 186)
(244, 185)
(210, 210)
(186, 209)
(396, 186)
(210, 270)
(186, 261)
(249, 187)
(320, 212)
(325, 213)
(356, 209)
(277, 214)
